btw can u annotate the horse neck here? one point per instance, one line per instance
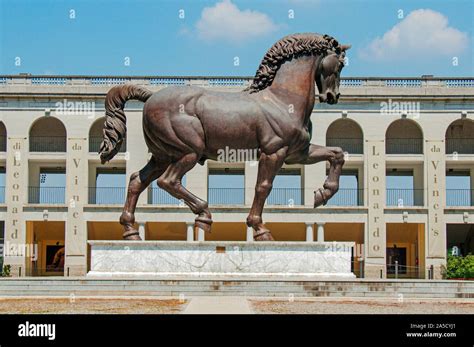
(294, 84)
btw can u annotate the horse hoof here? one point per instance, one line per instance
(203, 223)
(265, 236)
(319, 198)
(131, 235)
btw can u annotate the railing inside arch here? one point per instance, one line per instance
(404, 197)
(346, 197)
(459, 197)
(107, 195)
(404, 146)
(226, 196)
(3, 143)
(95, 141)
(48, 143)
(46, 195)
(158, 196)
(349, 145)
(460, 146)
(286, 196)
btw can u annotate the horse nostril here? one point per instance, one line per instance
(338, 95)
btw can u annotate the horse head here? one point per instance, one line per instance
(328, 74)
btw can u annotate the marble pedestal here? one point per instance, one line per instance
(124, 259)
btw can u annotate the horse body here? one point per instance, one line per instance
(201, 121)
(184, 126)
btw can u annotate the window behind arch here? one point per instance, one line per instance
(48, 134)
(347, 134)
(404, 136)
(460, 137)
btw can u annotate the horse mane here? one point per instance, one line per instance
(288, 47)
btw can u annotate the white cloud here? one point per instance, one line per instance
(227, 22)
(421, 34)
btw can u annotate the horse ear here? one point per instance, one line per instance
(345, 47)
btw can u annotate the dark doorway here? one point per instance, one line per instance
(396, 254)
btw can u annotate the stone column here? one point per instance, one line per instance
(16, 195)
(251, 170)
(75, 234)
(436, 186)
(418, 184)
(315, 175)
(313, 179)
(320, 232)
(189, 232)
(201, 235)
(472, 186)
(196, 181)
(141, 231)
(309, 232)
(375, 232)
(249, 234)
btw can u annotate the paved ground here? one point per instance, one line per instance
(233, 305)
(357, 306)
(218, 304)
(91, 305)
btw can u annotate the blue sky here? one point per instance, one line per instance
(421, 37)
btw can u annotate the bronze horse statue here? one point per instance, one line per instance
(185, 125)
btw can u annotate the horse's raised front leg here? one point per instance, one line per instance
(137, 184)
(268, 167)
(335, 156)
(170, 181)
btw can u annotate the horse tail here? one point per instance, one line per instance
(115, 126)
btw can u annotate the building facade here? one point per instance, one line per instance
(406, 197)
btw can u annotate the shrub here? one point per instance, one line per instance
(4, 269)
(460, 267)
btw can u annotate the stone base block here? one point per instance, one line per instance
(331, 260)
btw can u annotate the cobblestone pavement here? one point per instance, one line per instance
(355, 306)
(91, 306)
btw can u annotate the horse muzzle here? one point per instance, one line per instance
(329, 98)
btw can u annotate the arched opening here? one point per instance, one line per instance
(95, 137)
(459, 137)
(48, 134)
(3, 137)
(404, 136)
(347, 134)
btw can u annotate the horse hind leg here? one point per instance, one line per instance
(137, 184)
(170, 181)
